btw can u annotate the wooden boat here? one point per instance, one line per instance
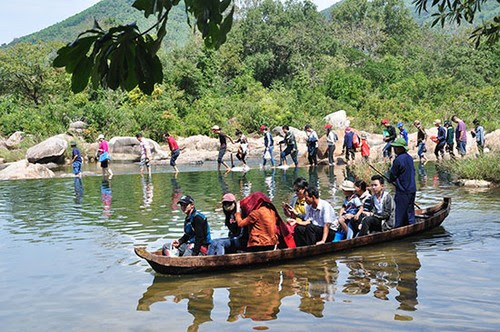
(426, 219)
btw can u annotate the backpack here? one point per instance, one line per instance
(356, 141)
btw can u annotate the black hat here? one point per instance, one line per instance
(186, 199)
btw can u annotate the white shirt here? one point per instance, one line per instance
(321, 215)
(330, 139)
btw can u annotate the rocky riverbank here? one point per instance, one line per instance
(37, 160)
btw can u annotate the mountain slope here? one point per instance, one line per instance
(107, 13)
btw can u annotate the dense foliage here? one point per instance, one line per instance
(486, 167)
(283, 63)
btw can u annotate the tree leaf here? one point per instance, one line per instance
(81, 75)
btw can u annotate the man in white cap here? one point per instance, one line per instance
(223, 146)
(350, 213)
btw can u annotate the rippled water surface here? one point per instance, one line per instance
(67, 261)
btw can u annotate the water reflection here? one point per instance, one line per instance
(106, 197)
(78, 184)
(422, 175)
(259, 295)
(270, 181)
(176, 192)
(245, 185)
(147, 191)
(222, 182)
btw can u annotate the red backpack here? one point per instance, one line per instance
(356, 141)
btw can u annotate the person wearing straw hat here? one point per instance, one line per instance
(402, 175)
(351, 210)
(223, 146)
(440, 140)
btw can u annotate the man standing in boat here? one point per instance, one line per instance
(196, 238)
(403, 177)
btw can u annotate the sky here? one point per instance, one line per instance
(21, 17)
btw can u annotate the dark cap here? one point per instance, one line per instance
(186, 199)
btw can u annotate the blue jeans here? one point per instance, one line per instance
(461, 148)
(219, 246)
(77, 167)
(270, 149)
(293, 154)
(174, 156)
(405, 209)
(387, 151)
(421, 149)
(220, 158)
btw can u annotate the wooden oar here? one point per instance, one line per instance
(385, 177)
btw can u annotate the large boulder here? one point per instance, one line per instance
(199, 142)
(22, 169)
(128, 149)
(338, 119)
(14, 140)
(50, 150)
(77, 127)
(492, 141)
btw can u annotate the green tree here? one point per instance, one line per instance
(26, 73)
(125, 57)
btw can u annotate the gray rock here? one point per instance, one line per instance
(22, 169)
(128, 149)
(14, 140)
(338, 119)
(50, 150)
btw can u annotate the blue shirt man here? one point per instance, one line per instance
(403, 132)
(403, 177)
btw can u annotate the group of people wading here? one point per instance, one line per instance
(254, 223)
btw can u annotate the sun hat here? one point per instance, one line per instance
(416, 122)
(400, 124)
(72, 143)
(400, 142)
(347, 129)
(437, 121)
(100, 136)
(262, 127)
(347, 186)
(186, 199)
(384, 121)
(328, 126)
(363, 136)
(228, 198)
(215, 127)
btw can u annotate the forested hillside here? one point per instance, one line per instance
(489, 10)
(283, 63)
(107, 13)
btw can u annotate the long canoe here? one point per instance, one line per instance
(426, 219)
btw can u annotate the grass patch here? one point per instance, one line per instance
(486, 168)
(363, 171)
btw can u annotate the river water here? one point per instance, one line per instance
(67, 260)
